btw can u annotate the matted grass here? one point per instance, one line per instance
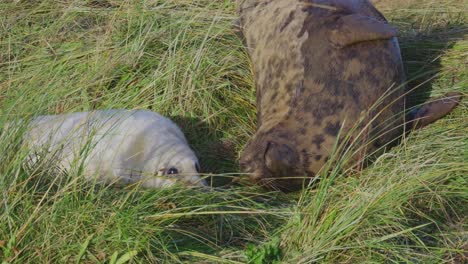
(182, 59)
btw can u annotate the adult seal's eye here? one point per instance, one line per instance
(172, 171)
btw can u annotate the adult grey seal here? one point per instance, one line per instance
(323, 67)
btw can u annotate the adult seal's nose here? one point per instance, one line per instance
(280, 159)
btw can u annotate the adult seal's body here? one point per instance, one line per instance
(320, 68)
(125, 146)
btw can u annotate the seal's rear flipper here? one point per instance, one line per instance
(434, 109)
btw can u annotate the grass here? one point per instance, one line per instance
(182, 59)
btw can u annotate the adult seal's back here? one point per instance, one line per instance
(321, 67)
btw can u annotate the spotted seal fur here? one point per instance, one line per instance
(321, 67)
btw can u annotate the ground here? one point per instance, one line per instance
(183, 59)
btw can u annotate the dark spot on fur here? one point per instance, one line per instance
(332, 129)
(318, 140)
(318, 157)
(288, 21)
(352, 53)
(305, 158)
(290, 87)
(303, 131)
(274, 96)
(275, 87)
(355, 94)
(325, 107)
(284, 135)
(280, 66)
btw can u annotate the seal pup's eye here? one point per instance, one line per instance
(172, 171)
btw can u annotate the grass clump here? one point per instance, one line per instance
(182, 59)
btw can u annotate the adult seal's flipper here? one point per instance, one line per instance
(434, 109)
(356, 28)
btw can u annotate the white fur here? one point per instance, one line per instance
(128, 145)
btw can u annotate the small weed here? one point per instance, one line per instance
(269, 252)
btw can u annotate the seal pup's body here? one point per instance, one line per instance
(126, 146)
(321, 67)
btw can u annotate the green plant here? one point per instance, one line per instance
(269, 252)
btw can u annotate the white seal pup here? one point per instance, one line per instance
(126, 146)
